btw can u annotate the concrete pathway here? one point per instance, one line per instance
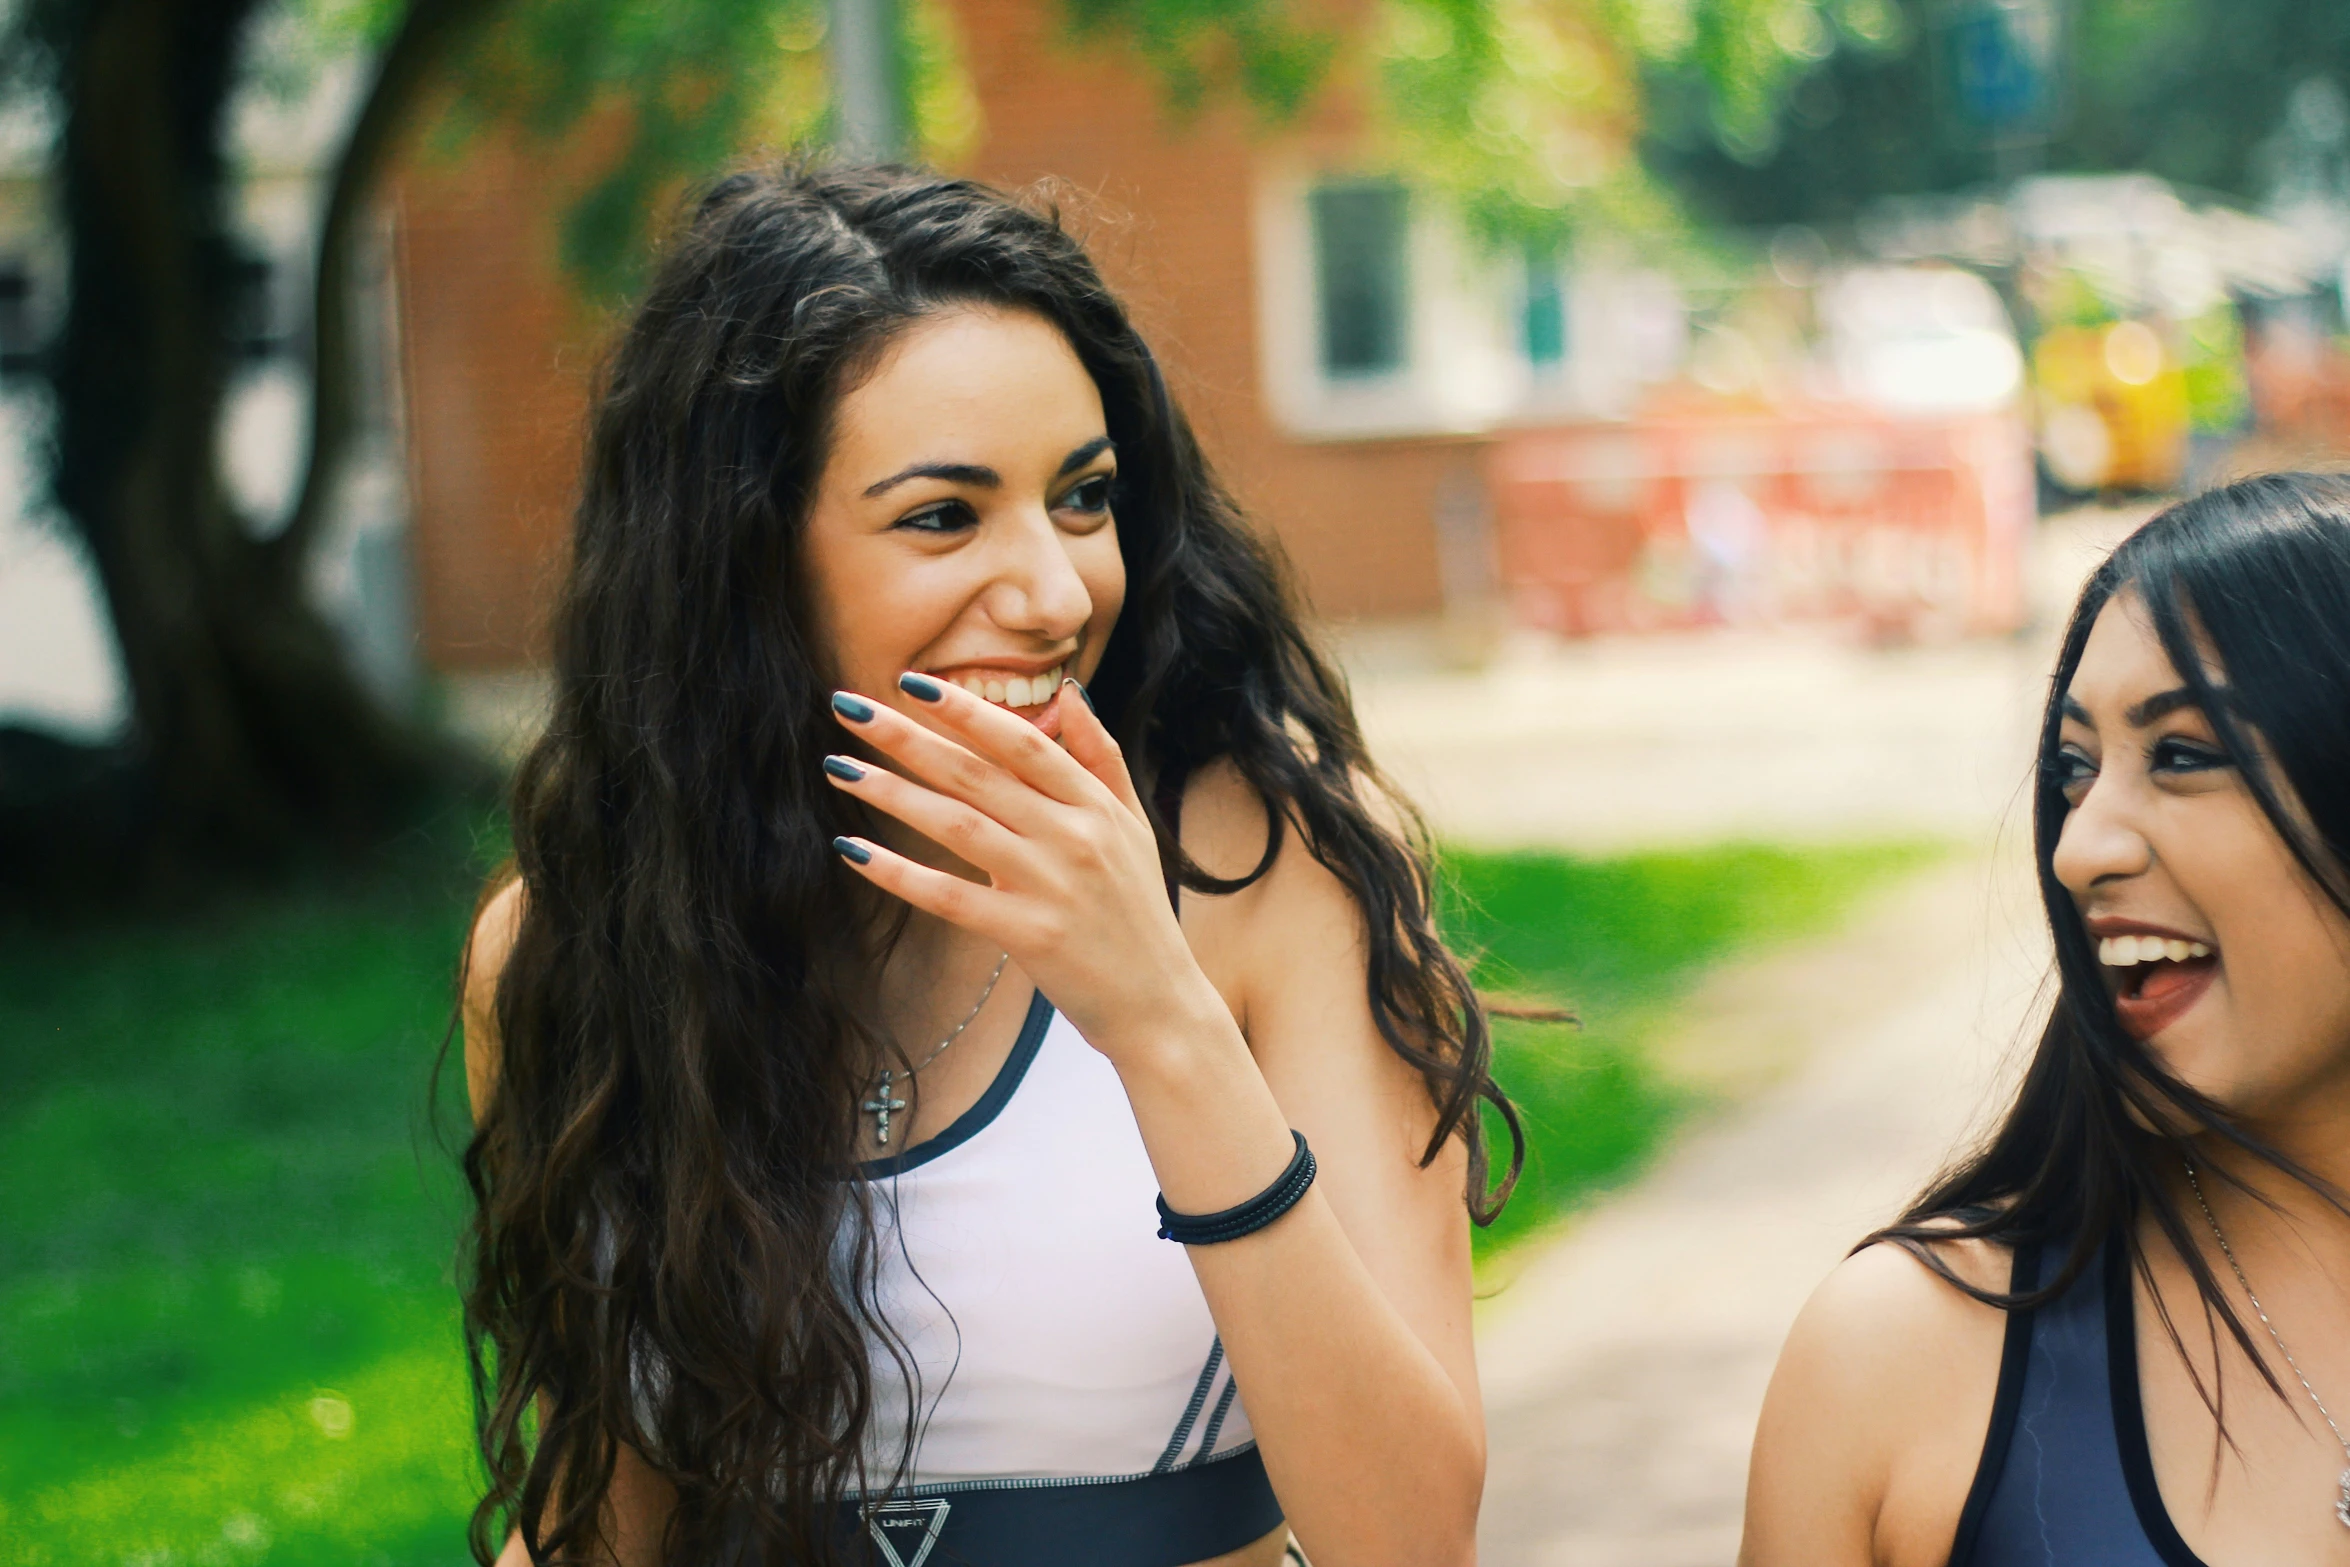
(1625, 1365)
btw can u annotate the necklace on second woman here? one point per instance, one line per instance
(2341, 1506)
(883, 1104)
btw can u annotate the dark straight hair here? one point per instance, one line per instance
(2250, 585)
(664, 1251)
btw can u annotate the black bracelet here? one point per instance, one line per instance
(1209, 1229)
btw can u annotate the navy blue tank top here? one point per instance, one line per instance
(2066, 1479)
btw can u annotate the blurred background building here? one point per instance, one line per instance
(1851, 421)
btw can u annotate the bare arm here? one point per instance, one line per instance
(1876, 1416)
(639, 1501)
(1348, 1323)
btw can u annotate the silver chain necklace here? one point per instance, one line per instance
(883, 1104)
(2342, 1506)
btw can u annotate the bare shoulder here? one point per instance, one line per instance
(1224, 820)
(1225, 829)
(1885, 1298)
(1297, 912)
(1878, 1409)
(486, 949)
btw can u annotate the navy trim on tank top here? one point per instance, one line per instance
(1168, 1518)
(2015, 1354)
(991, 1104)
(2129, 1412)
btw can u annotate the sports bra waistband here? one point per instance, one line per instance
(1168, 1519)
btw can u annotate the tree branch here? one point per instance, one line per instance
(405, 72)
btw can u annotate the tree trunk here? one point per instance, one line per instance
(253, 736)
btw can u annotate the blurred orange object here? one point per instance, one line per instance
(1901, 527)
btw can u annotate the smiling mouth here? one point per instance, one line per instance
(2156, 979)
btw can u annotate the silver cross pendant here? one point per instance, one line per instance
(881, 1106)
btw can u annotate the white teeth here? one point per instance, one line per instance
(1014, 690)
(2128, 951)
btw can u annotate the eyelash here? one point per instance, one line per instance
(2069, 769)
(945, 517)
(1091, 497)
(1098, 486)
(2186, 757)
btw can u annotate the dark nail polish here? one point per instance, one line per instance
(920, 687)
(842, 768)
(852, 851)
(1083, 695)
(853, 708)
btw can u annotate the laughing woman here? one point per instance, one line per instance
(2120, 1333)
(965, 1065)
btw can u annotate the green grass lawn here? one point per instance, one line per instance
(1617, 941)
(227, 1333)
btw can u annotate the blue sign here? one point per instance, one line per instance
(2004, 60)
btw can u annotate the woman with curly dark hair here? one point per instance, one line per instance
(913, 669)
(2034, 1366)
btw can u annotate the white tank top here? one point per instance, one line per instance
(1053, 1334)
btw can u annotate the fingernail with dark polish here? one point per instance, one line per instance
(842, 768)
(852, 851)
(853, 708)
(920, 687)
(1082, 694)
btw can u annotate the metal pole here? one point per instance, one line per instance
(868, 101)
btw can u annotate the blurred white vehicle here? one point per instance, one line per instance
(1920, 340)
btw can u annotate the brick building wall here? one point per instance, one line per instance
(499, 357)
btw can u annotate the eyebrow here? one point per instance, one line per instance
(2160, 705)
(980, 476)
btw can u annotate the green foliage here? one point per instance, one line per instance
(663, 92)
(1619, 941)
(2192, 90)
(1521, 113)
(1273, 58)
(1525, 114)
(2211, 355)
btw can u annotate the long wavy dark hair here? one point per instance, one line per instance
(669, 1247)
(2260, 572)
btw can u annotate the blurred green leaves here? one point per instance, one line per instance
(1522, 114)
(630, 99)
(1272, 56)
(1525, 114)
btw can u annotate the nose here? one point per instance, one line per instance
(1038, 590)
(2100, 843)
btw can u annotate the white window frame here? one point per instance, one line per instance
(1461, 369)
